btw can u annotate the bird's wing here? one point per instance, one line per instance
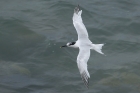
(78, 24)
(82, 59)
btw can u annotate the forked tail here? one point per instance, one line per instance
(98, 48)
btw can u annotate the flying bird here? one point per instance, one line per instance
(84, 45)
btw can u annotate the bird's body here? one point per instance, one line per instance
(84, 45)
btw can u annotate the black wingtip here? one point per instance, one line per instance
(76, 10)
(85, 78)
(78, 6)
(86, 82)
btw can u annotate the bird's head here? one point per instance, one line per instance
(70, 44)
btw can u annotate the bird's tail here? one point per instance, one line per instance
(98, 48)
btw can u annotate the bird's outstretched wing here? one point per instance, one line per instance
(78, 24)
(82, 59)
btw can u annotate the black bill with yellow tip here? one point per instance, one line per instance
(63, 46)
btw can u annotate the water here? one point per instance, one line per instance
(31, 33)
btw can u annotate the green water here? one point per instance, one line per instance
(31, 32)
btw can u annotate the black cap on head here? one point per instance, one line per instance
(68, 44)
(72, 43)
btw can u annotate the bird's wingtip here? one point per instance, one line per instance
(78, 6)
(77, 9)
(85, 78)
(86, 82)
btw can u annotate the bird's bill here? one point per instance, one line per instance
(63, 46)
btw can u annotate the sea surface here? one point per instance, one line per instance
(32, 31)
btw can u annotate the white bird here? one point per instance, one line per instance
(84, 45)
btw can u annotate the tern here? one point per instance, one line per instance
(84, 45)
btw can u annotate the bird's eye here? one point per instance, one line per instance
(72, 43)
